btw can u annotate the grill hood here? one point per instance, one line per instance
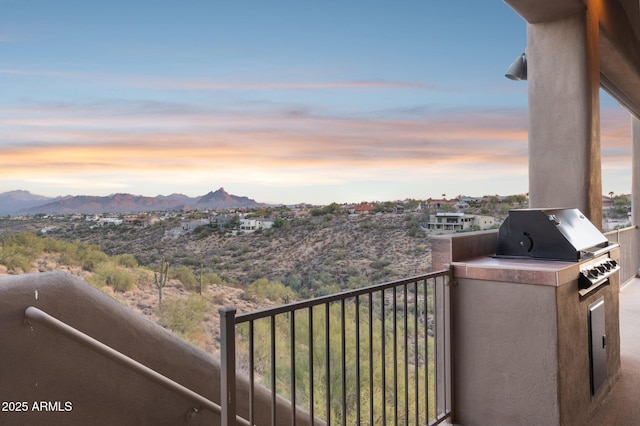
(551, 234)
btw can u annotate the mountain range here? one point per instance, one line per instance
(26, 203)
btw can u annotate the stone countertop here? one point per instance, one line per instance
(518, 271)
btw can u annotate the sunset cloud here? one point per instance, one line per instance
(97, 139)
(374, 102)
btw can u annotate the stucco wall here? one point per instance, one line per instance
(85, 388)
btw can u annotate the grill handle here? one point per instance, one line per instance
(592, 254)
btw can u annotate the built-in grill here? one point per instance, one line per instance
(558, 234)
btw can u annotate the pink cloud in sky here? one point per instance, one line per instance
(65, 143)
(269, 143)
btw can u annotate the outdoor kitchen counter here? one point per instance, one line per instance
(517, 271)
(521, 331)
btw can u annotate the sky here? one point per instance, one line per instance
(281, 101)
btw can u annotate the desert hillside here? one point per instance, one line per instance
(311, 256)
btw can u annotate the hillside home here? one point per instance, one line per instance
(364, 208)
(458, 222)
(187, 228)
(248, 225)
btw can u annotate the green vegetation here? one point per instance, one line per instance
(275, 291)
(376, 352)
(332, 208)
(185, 317)
(20, 251)
(185, 275)
(109, 273)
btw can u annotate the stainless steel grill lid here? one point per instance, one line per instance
(551, 234)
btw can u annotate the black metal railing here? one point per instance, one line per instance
(377, 355)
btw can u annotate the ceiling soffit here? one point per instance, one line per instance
(619, 41)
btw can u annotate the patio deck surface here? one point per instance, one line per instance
(622, 406)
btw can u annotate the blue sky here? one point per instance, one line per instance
(281, 101)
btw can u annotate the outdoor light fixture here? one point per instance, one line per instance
(518, 69)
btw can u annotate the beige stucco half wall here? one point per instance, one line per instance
(75, 385)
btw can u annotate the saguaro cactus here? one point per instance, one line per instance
(161, 278)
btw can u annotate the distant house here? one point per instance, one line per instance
(108, 221)
(221, 220)
(364, 208)
(458, 222)
(248, 225)
(438, 204)
(186, 228)
(142, 220)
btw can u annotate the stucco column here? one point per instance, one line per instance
(564, 114)
(635, 171)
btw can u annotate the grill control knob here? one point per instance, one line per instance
(613, 263)
(593, 273)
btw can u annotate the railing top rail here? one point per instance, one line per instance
(305, 304)
(616, 231)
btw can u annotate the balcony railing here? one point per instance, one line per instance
(376, 355)
(628, 239)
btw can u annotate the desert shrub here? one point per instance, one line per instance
(262, 289)
(379, 264)
(51, 245)
(15, 259)
(127, 260)
(281, 223)
(212, 278)
(117, 277)
(358, 281)
(20, 250)
(183, 316)
(91, 257)
(96, 280)
(86, 256)
(185, 275)
(29, 243)
(339, 254)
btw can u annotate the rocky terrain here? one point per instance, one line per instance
(312, 255)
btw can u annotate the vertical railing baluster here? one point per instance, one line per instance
(384, 364)
(395, 357)
(436, 328)
(292, 343)
(406, 357)
(311, 379)
(273, 370)
(447, 338)
(357, 307)
(416, 353)
(328, 364)
(426, 347)
(371, 359)
(343, 363)
(228, 366)
(252, 412)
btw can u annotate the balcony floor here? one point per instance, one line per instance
(622, 406)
